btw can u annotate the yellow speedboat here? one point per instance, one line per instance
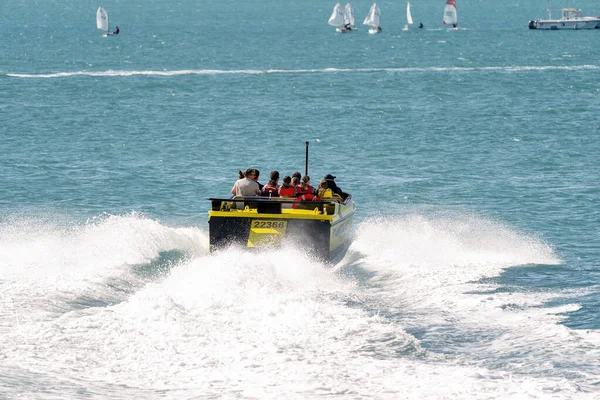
(321, 228)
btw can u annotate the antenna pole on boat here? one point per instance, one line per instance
(306, 168)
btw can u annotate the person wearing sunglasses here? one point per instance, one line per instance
(246, 185)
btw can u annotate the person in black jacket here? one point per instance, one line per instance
(330, 179)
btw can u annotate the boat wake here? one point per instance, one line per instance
(49, 267)
(442, 276)
(123, 73)
(412, 306)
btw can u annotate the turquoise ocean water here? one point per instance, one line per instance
(472, 156)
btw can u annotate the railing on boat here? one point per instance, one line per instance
(274, 205)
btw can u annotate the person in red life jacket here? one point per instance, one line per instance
(116, 32)
(301, 200)
(295, 182)
(296, 176)
(271, 189)
(304, 186)
(287, 190)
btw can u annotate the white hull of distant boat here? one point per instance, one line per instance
(572, 19)
(583, 23)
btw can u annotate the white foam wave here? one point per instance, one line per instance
(44, 264)
(279, 324)
(429, 264)
(434, 272)
(247, 324)
(441, 241)
(124, 73)
(30, 246)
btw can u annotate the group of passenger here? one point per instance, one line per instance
(295, 186)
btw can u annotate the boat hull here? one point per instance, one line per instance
(565, 24)
(267, 224)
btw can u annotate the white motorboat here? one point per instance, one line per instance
(571, 18)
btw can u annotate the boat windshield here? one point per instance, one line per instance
(568, 13)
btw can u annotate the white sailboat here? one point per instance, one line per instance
(409, 20)
(102, 21)
(450, 16)
(348, 17)
(373, 19)
(337, 18)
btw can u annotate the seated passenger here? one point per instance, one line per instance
(260, 185)
(295, 182)
(332, 185)
(304, 187)
(287, 190)
(325, 193)
(246, 185)
(271, 189)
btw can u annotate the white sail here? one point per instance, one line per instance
(373, 17)
(349, 15)
(337, 17)
(102, 19)
(409, 19)
(450, 16)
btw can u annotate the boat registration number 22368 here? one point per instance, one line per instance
(269, 224)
